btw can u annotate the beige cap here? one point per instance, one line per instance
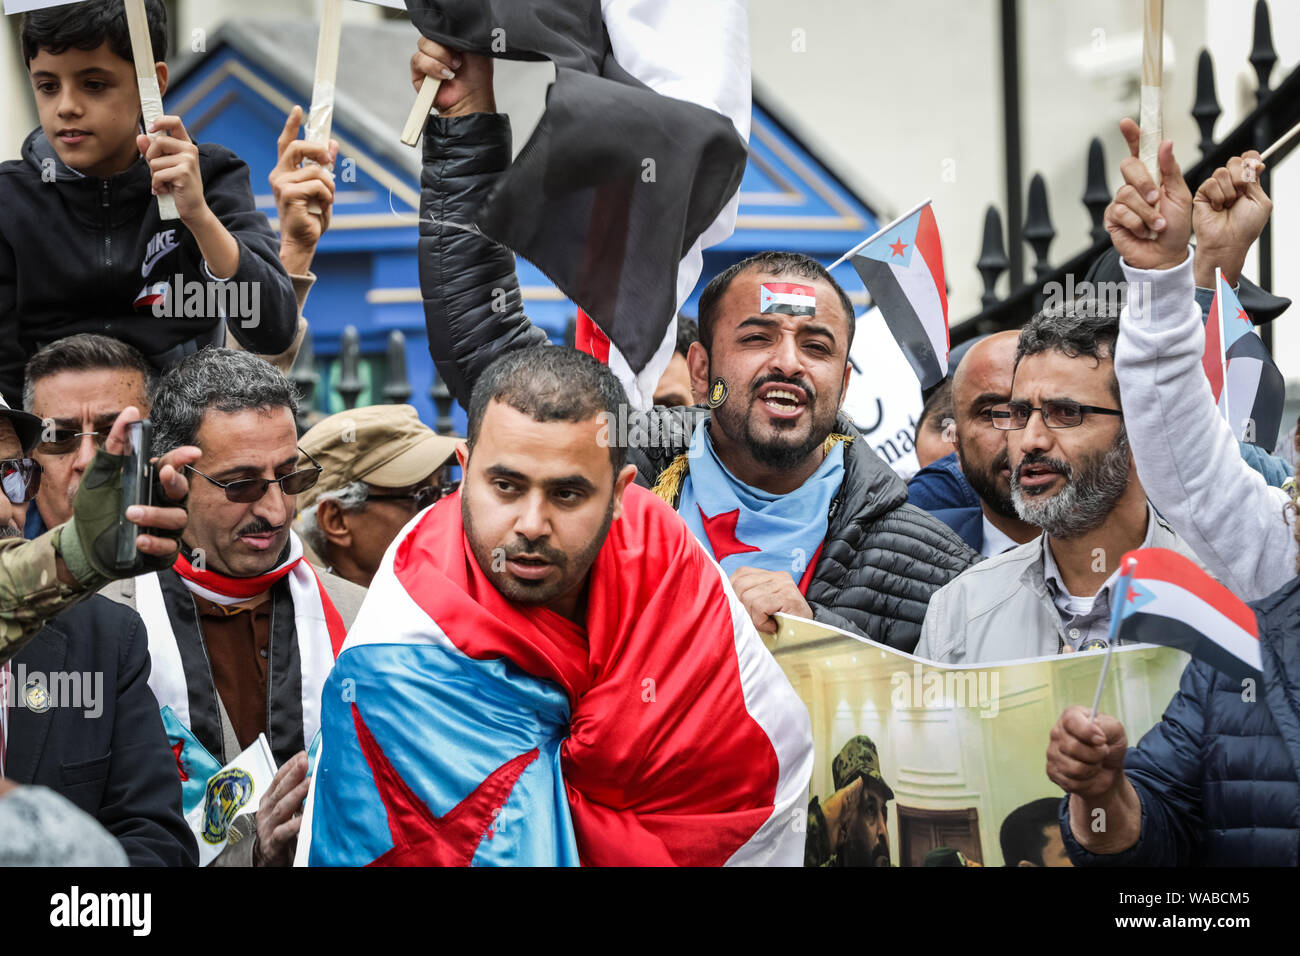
(383, 445)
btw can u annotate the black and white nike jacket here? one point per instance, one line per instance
(83, 254)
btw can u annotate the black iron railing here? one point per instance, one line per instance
(1276, 111)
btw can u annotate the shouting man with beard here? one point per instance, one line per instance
(801, 513)
(1072, 475)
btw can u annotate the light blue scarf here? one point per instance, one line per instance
(743, 526)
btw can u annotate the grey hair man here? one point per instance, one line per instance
(1072, 475)
(242, 629)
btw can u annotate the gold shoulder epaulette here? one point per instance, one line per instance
(670, 479)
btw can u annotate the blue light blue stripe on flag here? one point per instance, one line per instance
(895, 245)
(445, 722)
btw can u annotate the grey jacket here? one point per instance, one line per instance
(1002, 610)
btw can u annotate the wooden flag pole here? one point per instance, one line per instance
(1151, 119)
(137, 23)
(327, 69)
(420, 111)
(1282, 141)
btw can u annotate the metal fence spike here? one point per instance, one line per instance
(1096, 194)
(993, 256)
(1206, 110)
(349, 383)
(397, 391)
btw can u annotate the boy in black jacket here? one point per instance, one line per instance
(82, 246)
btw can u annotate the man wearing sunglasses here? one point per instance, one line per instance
(242, 630)
(76, 712)
(77, 386)
(40, 578)
(382, 466)
(1072, 475)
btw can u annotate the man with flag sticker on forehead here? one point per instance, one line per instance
(778, 486)
(242, 629)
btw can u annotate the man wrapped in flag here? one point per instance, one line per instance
(550, 670)
(1215, 782)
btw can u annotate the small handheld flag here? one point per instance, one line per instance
(1172, 602)
(1244, 380)
(902, 268)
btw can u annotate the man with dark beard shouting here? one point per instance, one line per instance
(1072, 475)
(801, 513)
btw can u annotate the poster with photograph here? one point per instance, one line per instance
(919, 764)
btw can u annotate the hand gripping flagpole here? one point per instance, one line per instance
(1151, 120)
(1116, 616)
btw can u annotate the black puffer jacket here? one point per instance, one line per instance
(79, 253)
(883, 558)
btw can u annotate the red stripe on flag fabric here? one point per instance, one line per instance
(1211, 359)
(333, 620)
(1160, 564)
(588, 337)
(790, 288)
(643, 774)
(928, 245)
(808, 571)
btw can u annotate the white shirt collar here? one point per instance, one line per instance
(1052, 573)
(995, 542)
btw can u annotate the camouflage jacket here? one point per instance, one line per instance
(30, 590)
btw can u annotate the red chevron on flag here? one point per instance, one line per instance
(1172, 602)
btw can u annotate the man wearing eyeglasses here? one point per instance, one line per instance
(242, 630)
(1072, 475)
(77, 386)
(76, 713)
(382, 466)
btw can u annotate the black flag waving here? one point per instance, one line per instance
(617, 183)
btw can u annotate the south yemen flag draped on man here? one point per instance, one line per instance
(902, 268)
(1246, 383)
(636, 163)
(461, 729)
(1174, 603)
